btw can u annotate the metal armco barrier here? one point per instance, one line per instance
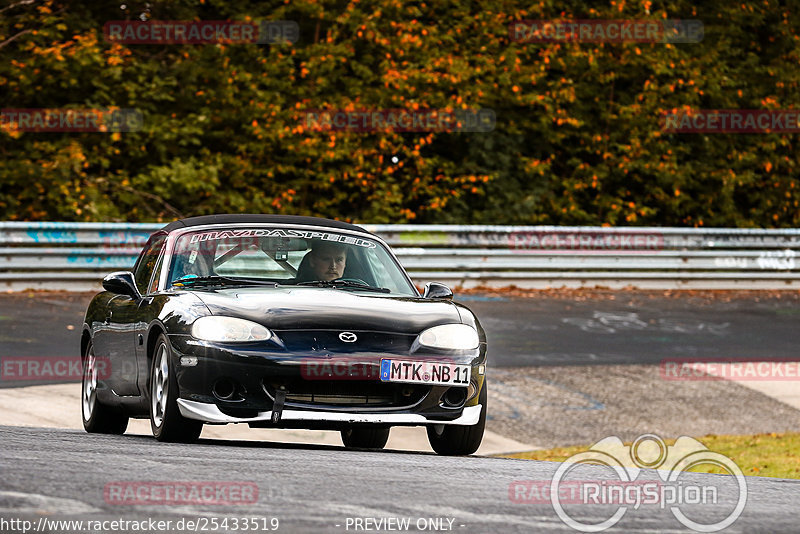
(75, 256)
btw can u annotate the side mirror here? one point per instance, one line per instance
(121, 283)
(435, 290)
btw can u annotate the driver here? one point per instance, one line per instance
(327, 260)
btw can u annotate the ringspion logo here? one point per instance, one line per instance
(700, 504)
(577, 491)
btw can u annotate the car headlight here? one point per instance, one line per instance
(450, 336)
(229, 329)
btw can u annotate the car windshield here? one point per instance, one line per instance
(286, 256)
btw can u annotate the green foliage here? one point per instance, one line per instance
(577, 139)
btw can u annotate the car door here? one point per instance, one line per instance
(148, 309)
(123, 320)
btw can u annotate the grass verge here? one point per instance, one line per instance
(765, 455)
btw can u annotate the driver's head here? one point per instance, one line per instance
(327, 260)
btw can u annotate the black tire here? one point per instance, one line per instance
(453, 440)
(365, 438)
(97, 417)
(166, 421)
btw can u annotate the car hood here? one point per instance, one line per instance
(294, 308)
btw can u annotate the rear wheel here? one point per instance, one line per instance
(457, 440)
(166, 420)
(365, 438)
(97, 417)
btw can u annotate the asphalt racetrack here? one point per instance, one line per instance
(565, 369)
(316, 489)
(575, 328)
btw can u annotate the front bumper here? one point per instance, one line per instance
(312, 401)
(210, 413)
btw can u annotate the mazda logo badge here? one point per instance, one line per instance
(348, 337)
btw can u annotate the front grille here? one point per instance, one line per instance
(352, 393)
(311, 398)
(300, 341)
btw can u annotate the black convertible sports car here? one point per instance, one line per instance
(282, 322)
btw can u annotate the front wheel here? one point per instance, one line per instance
(97, 417)
(166, 420)
(365, 438)
(457, 440)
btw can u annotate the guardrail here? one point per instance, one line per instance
(75, 256)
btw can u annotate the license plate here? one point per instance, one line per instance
(434, 373)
